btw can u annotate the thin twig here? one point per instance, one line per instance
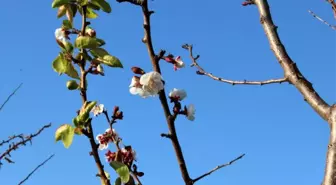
(9, 97)
(201, 71)
(11, 138)
(31, 173)
(320, 19)
(23, 142)
(217, 168)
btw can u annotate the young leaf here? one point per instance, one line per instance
(67, 24)
(99, 52)
(60, 64)
(69, 15)
(111, 61)
(93, 6)
(122, 171)
(58, 3)
(71, 71)
(85, 42)
(73, 8)
(91, 14)
(105, 6)
(61, 11)
(65, 133)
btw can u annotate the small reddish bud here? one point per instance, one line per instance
(138, 70)
(115, 109)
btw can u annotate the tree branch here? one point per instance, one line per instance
(24, 140)
(217, 168)
(201, 71)
(320, 19)
(89, 128)
(162, 95)
(295, 77)
(31, 173)
(292, 73)
(9, 97)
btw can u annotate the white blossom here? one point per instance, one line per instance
(151, 82)
(98, 109)
(60, 35)
(179, 94)
(191, 112)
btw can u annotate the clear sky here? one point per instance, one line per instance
(285, 141)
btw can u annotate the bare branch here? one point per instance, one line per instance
(201, 71)
(320, 19)
(24, 140)
(9, 97)
(292, 73)
(31, 173)
(11, 138)
(217, 168)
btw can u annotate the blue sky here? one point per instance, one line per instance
(284, 140)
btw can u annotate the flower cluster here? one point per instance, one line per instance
(177, 95)
(125, 155)
(107, 137)
(148, 84)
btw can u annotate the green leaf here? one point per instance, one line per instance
(99, 52)
(68, 47)
(91, 14)
(83, 2)
(85, 42)
(58, 3)
(122, 171)
(88, 107)
(117, 181)
(93, 6)
(111, 61)
(105, 6)
(65, 133)
(60, 64)
(71, 71)
(67, 24)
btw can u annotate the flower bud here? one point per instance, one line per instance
(90, 32)
(100, 69)
(72, 85)
(138, 70)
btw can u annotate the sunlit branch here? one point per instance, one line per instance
(320, 19)
(217, 168)
(201, 71)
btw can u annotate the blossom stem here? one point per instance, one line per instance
(83, 94)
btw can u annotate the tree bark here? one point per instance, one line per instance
(295, 77)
